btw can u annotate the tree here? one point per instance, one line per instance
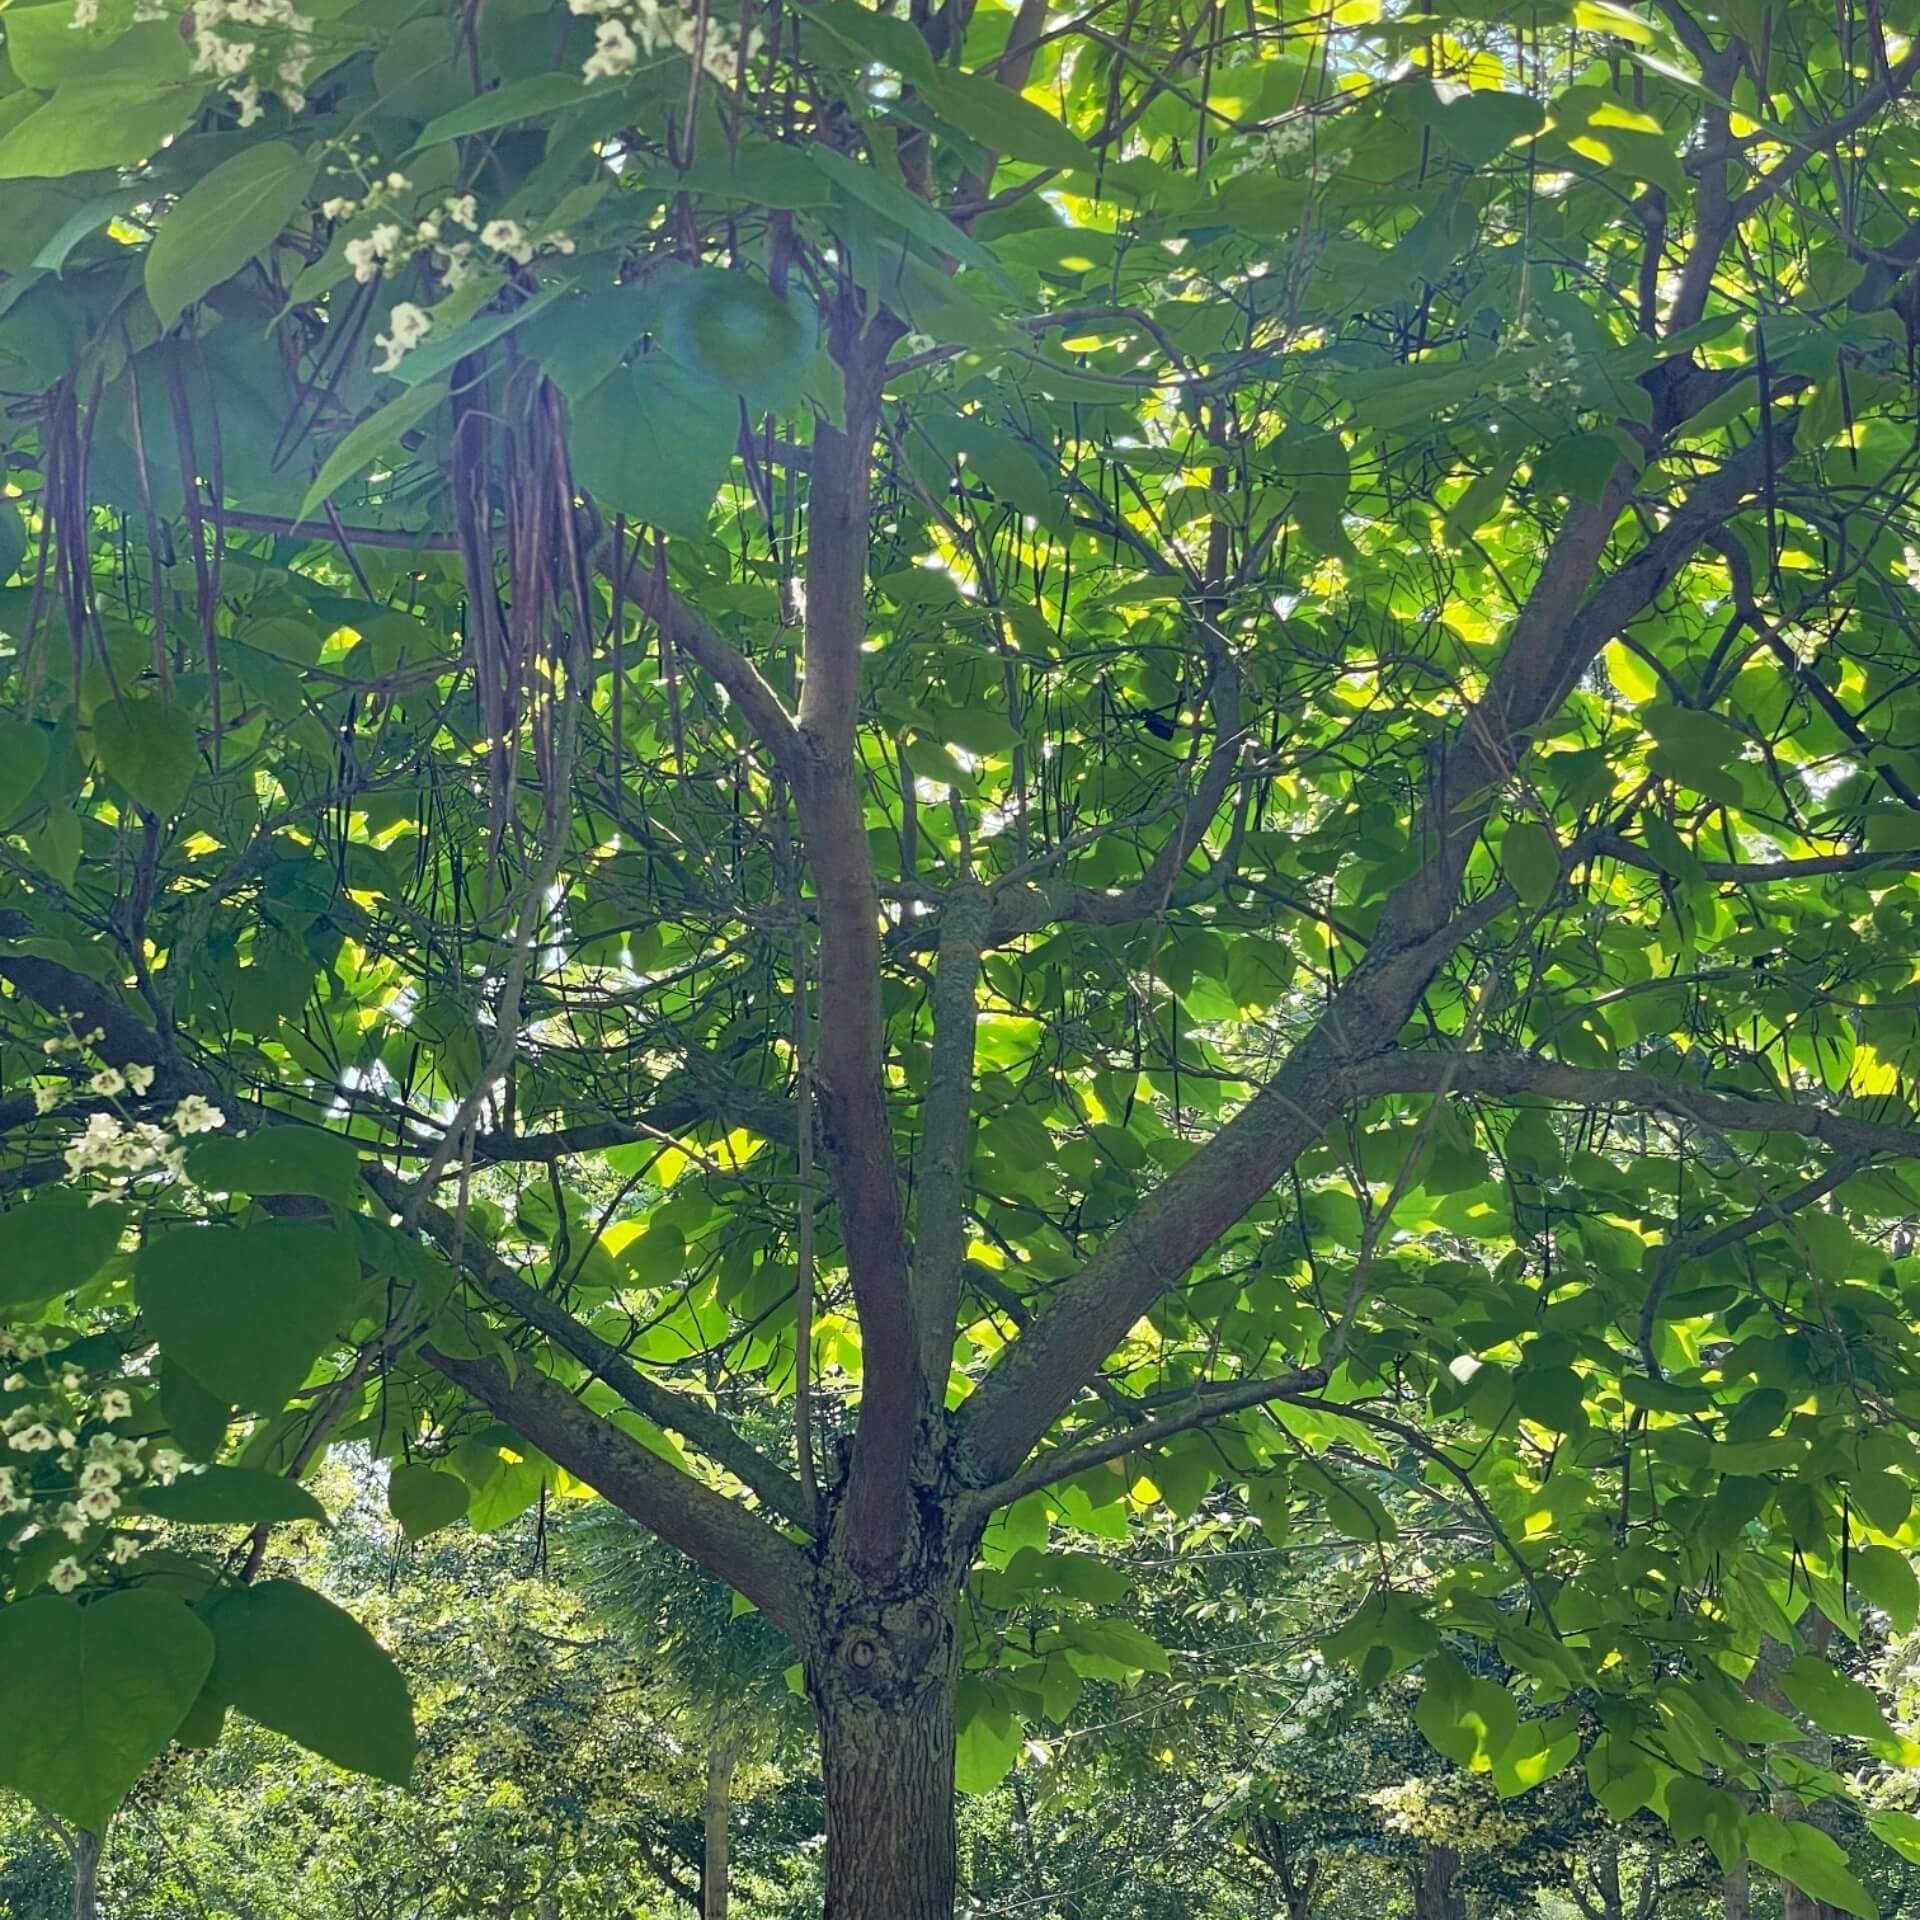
(1096, 748)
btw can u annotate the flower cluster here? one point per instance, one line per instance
(1452, 1812)
(1554, 363)
(68, 1470)
(249, 44)
(450, 235)
(124, 1150)
(629, 30)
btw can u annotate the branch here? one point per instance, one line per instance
(686, 632)
(849, 1067)
(1555, 638)
(1503, 1074)
(940, 1234)
(1768, 1214)
(1750, 873)
(1824, 139)
(1065, 1463)
(698, 1424)
(1026, 909)
(706, 1526)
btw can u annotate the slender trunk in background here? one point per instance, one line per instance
(1736, 1894)
(1434, 1895)
(87, 1849)
(722, 1757)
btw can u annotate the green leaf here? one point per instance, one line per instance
(1539, 1750)
(899, 208)
(226, 219)
(278, 1160)
(1530, 858)
(989, 1736)
(1005, 122)
(1833, 1701)
(504, 1473)
(423, 1499)
(1692, 734)
(116, 120)
(24, 751)
(57, 844)
(1470, 1720)
(655, 444)
(1580, 465)
(13, 540)
(524, 99)
(374, 435)
(877, 38)
(294, 1662)
(52, 1244)
(230, 1496)
(1814, 1861)
(1885, 1575)
(46, 47)
(151, 748)
(737, 332)
(247, 1310)
(1901, 1831)
(196, 1419)
(1115, 1649)
(92, 1694)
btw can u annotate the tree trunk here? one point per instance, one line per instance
(1736, 1894)
(886, 1765)
(1796, 1905)
(1434, 1895)
(716, 1813)
(87, 1849)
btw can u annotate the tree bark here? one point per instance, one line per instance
(1435, 1897)
(888, 1776)
(87, 1849)
(716, 1815)
(882, 1684)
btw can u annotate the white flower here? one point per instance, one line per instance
(398, 183)
(72, 1521)
(115, 1404)
(337, 208)
(428, 231)
(505, 236)
(45, 1098)
(457, 264)
(107, 1082)
(410, 325)
(139, 1078)
(463, 210)
(195, 1114)
(13, 1383)
(166, 1464)
(71, 1380)
(100, 1503)
(373, 251)
(246, 102)
(38, 1438)
(96, 1145)
(66, 1575)
(98, 1473)
(558, 243)
(122, 1548)
(86, 13)
(614, 53)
